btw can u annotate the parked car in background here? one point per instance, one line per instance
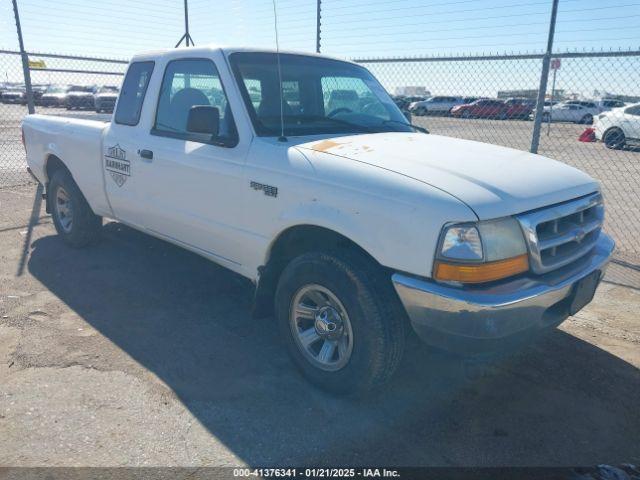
(435, 105)
(80, 98)
(575, 111)
(482, 108)
(14, 94)
(38, 90)
(55, 96)
(401, 102)
(520, 108)
(607, 104)
(618, 127)
(105, 98)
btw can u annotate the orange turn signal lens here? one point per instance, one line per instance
(482, 272)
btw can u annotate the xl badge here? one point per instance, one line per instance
(116, 163)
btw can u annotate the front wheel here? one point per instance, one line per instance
(341, 320)
(72, 216)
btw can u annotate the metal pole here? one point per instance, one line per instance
(187, 37)
(318, 24)
(553, 94)
(25, 61)
(544, 77)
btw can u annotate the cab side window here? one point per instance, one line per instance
(191, 83)
(133, 91)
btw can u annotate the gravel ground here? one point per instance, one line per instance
(136, 353)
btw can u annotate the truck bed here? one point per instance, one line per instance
(78, 143)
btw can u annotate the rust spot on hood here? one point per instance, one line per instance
(324, 145)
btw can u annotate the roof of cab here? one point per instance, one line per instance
(225, 50)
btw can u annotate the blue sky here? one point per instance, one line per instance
(351, 29)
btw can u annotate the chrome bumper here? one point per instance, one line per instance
(480, 319)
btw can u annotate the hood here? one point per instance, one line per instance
(55, 95)
(80, 94)
(107, 95)
(493, 181)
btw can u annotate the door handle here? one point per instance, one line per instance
(148, 154)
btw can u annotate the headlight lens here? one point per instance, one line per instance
(481, 252)
(462, 243)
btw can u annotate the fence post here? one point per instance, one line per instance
(318, 24)
(25, 62)
(187, 36)
(544, 77)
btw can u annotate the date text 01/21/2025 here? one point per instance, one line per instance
(316, 472)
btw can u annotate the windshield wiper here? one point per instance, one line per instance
(320, 118)
(407, 124)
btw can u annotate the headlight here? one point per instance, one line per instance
(461, 242)
(481, 252)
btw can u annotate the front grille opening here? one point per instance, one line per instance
(554, 255)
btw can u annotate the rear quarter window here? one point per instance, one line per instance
(133, 92)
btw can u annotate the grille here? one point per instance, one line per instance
(562, 233)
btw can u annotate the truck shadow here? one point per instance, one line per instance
(188, 321)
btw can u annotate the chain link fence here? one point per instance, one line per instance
(588, 120)
(13, 108)
(61, 85)
(489, 99)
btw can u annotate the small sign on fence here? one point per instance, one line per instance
(37, 64)
(555, 64)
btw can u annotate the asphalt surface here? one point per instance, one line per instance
(134, 352)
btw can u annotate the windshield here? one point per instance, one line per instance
(320, 96)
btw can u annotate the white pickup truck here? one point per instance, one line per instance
(351, 223)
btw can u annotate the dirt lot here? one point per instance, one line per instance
(134, 352)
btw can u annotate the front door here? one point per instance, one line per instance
(194, 181)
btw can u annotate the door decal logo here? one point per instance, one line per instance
(116, 163)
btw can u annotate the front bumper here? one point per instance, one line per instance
(484, 319)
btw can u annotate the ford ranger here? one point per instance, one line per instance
(300, 173)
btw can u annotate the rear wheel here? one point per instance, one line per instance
(72, 216)
(341, 321)
(587, 119)
(614, 139)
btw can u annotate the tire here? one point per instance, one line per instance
(371, 320)
(614, 139)
(72, 216)
(587, 119)
(502, 116)
(466, 114)
(546, 117)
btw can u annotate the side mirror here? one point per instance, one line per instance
(204, 119)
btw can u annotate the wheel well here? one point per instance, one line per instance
(611, 129)
(53, 164)
(289, 244)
